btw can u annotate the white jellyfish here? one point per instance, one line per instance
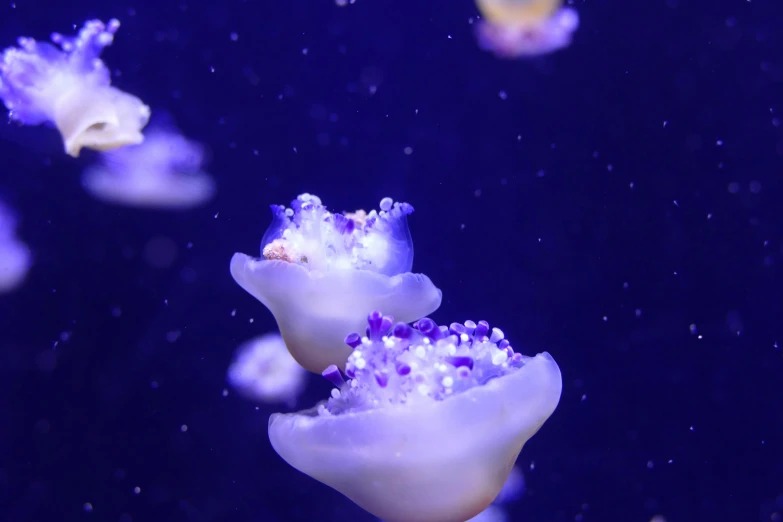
(429, 424)
(322, 272)
(263, 370)
(70, 87)
(15, 257)
(163, 172)
(522, 28)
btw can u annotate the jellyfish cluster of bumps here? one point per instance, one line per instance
(392, 436)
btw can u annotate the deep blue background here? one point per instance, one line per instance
(553, 229)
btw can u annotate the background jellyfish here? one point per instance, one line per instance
(263, 370)
(513, 488)
(71, 88)
(15, 257)
(430, 422)
(163, 172)
(322, 273)
(492, 513)
(517, 28)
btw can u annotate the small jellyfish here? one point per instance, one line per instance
(15, 257)
(163, 172)
(263, 370)
(429, 423)
(523, 28)
(322, 272)
(70, 87)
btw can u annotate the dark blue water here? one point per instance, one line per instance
(620, 191)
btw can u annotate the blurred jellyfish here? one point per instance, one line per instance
(263, 370)
(15, 257)
(71, 88)
(522, 28)
(323, 272)
(513, 488)
(163, 172)
(430, 422)
(493, 513)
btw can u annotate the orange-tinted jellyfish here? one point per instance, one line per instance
(523, 28)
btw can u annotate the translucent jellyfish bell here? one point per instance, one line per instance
(322, 272)
(70, 87)
(15, 257)
(163, 172)
(429, 424)
(263, 370)
(521, 28)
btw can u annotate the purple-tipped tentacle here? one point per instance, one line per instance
(353, 340)
(482, 329)
(496, 336)
(382, 378)
(458, 361)
(470, 327)
(333, 375)
(386, 324)
(457, 329)
(429, 328)
(402, 368)
(375, 322)
(402, 331)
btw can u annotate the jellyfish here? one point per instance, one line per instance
(429, 423)
(263, 370)
(15, 257)
(524, 28)
(163, 172)
(70, 87)
(322, 272)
